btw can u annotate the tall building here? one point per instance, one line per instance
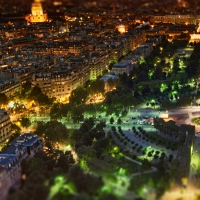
(37, 13)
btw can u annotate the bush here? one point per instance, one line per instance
(121, 140)
(138, 150)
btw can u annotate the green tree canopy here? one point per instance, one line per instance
(78, 96)
(96, 87)
(53, 131)
(25, 122)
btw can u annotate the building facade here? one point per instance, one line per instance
(23, 147)
(5, 126)
(60, 83)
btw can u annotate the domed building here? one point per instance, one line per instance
(37, 13)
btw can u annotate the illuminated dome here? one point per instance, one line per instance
(37, 13)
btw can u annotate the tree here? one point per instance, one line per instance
(35, 92)
(26, 89)
(3, 99)
(112, 120)
(119, 121)
(16, 132)
(77, 113)
(101, 125)
(63, 162)
(55, 112)
(84, 182)
(18, 195)
(31, 165)
(53, 131)
(64, 109)
(25, 122)
(43, 99)
(78, 96)
(76, 137)
(87, 125)
(86, 153)
(96, 87)
(176, 68)
(56, 132)
(35, 186)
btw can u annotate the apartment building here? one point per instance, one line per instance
(59, 83)
(23, 147)
(137, 38)
(9, 86)
(121, 67)
(23, 74)
(5, 125)
(10, 172)
(98, 63)
(4, 182)
(175, 19)
(143, 51)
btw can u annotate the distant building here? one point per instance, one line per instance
(5, 126)
(143, 51)
(120, 68)
(175, 19)
(37, 13)
(131, 60)
(60, 83)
